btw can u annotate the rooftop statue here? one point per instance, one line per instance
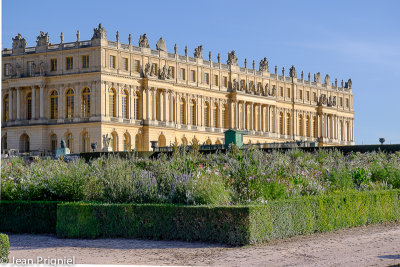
(146, 70)
(317, 77)
(232, 59)
(99, 33)
(42, 39)
(18, 42)
(264, 65)
(198, 52)
(161, 45)
(348, 84)
(327, 79)
(143, 41)
(292, 72)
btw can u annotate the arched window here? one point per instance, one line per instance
(70, 103)
(29, 106)
(281, 129)
(315, 127)
(137, 114)
(6, 108)
(193, 112)
(114, 141)
(69, 142)
(288, 124)
(53, 141)
(225, 116)
(308, 126)
(113, 105)
(54, 105)
(125, 105)
(207, 114)
(127, 142)
(162, 141)
(183, 110)
(138, 142)
(301, 130)
(216, 115)
(86, 103)
(85, 142)
(24, 143)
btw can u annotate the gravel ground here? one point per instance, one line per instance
(374, 245)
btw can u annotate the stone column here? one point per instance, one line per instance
(154, 110)
(276, 119)
(236, 118)
(147, 101)
(244, 111)
(171, 107)
(165, 107)
(10, 104)
(33, 102)
(18, 103)
(260, 128)
(252, 121)
(41, 114)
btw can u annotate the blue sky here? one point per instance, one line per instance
(345, 39)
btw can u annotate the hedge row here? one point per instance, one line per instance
(231, 225)
(28, 216)
(4, 248)
(235, 225)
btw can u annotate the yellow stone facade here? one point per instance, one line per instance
(83, 90)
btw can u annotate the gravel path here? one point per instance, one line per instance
(375, 245)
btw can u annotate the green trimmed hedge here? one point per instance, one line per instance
(4, 248)
(28, 216)
(231, 225)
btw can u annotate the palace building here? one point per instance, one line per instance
(84, 90)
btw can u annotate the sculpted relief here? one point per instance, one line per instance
(232, 59)
(18, 42)
(143, 41)
(42, 39)
(264, 65)
(99, 33)
(198, 52)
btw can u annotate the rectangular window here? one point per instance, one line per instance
(308, 95)
(315, 96)
(183, 74)
(347, 102)
(225, 81)
(112, 62)
(125, 64)
(341, 101)
(6, 69)
(30, 68)
(193, 75)
(281, 89)
(288, 92)
(85, 62)
(69, 63)
(137, 66)
(216, 80)
(53, 64)
(207, 78)
(301, 95)
(173, 72)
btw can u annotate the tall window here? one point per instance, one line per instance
(125, 64)
(127, 142)
(225, 116)
(114, 141)
(183, 74)
(347, 102)
(173, 72)
(315, 97)
(30, 68)
(6, 69)
(54, 105)
(215, 115)
(112, 99)
(137, 66)
(69, 141)
(86, 103)
(281, 90)
(85, 61)
(69, 63)
(301, 94)
(137, 106)
(315, 129)
(29, 106)
(193, 76)
(6, 108)
(225, 81)
(53, 64)
(288, 92)
(207, 114)
(85, 142)
(301, 130)
(281, 128)
(70, 103)
(53, 140)
(216, 80)
(112, 62)
(308, 95)
(193, 112)
(125, 105)
(308, 126)
(288, 124)
(183, 111)
(207, 78)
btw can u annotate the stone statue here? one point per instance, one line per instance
(42, 39)
(106, 142)
(342, 83)
(169, 76)
(78, 36)
(317, 77)
(254, 65)
(348, 84)
(219, 58)
(232, 59)
(322, 100)
(276, 69)
(266, 90)
(153, 70)
(117, 36)
(327, 79)
(263, 65)
(283, 71)
(176, 49)
(292, 72)
(309, 76)
(99, 33)
(42, 68)
(209, 56)
(143, 41)
(62, 143)
(161, 45)
(164, 73)
(198, 52)
(186, 51)
(146, 70)
(245, 63)
(130, 39)
(273, 93)
(62, 37)
(63, 150)
(335, 82)
(19, 42)
(302, 75)
(235, 85)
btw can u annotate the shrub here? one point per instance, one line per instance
(4, 248)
